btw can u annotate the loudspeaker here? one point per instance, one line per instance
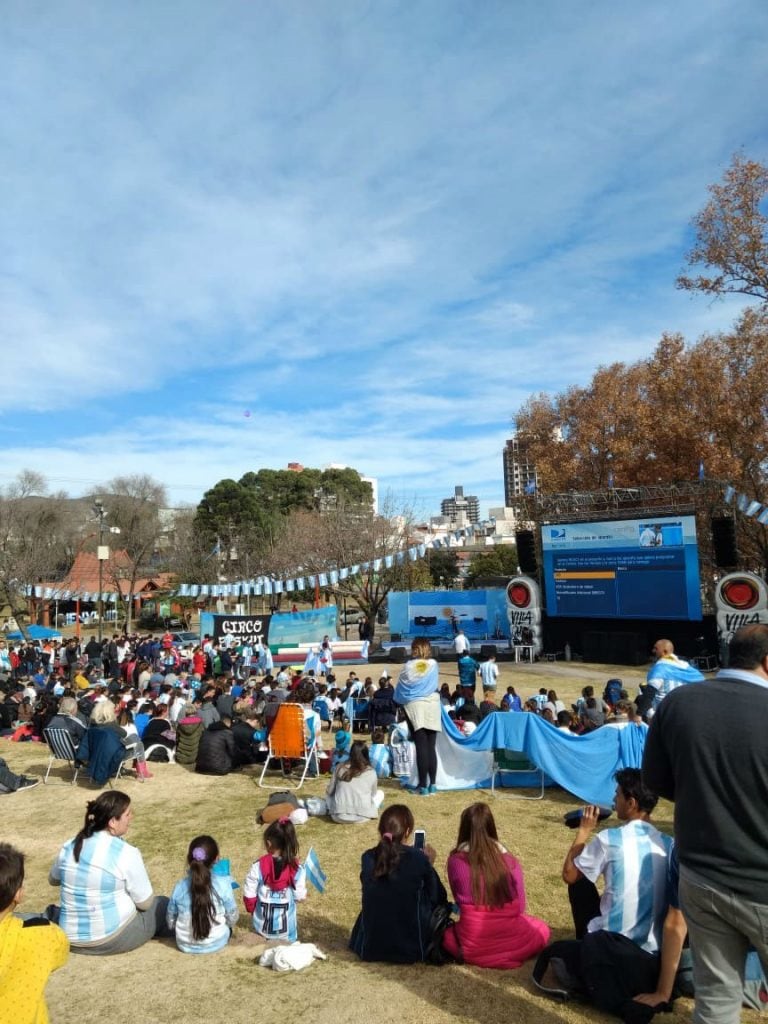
(398, 655)
(724, 542)
(526, 551)
(486, 650)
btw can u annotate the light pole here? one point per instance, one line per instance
(102, 554)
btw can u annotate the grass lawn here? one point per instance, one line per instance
(159, 984)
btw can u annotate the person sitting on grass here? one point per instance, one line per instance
(107, 903)
(510, 701)
(275, 883)
(353, 795)
(202, 911)
(343, 741)
(30, 949)
(217, 751)
(400, 893)
(493, 929)
(380, 755)
(619, 934)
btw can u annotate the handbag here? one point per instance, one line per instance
(440, 921)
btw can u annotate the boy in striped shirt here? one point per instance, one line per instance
(619, 933)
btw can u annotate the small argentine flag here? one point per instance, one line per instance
(314, 872)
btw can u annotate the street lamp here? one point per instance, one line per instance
(102, 555)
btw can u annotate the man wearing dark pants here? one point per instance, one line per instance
(617, 955)
(706, 750)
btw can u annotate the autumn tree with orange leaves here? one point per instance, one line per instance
(732, 235)
(655, 420)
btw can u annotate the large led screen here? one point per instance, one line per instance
(630, 569)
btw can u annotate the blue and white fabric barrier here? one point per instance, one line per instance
(584, 765)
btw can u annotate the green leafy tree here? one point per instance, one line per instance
(282, 491)
(500, 560)
(443, 567)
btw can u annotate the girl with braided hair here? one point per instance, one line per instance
(202, 908)
(107, 903)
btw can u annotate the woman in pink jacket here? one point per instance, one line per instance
(493, 929)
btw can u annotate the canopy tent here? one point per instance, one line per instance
(36, 633)
(584, 765)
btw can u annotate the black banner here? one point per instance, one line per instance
(242, 627)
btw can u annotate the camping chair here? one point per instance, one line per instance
(516, 762)
(62, 748)
(321, 707)
(359, 713)
(170, 753)
(288, 741)
(105, 754)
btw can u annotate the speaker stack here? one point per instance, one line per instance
(526, 552)
(724, 542)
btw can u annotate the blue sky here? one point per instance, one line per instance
(376, 227)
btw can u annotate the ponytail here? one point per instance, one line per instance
(395, 825)
(281, 841)
(202, 855)
(98, 814)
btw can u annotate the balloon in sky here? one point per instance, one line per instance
(247, 413)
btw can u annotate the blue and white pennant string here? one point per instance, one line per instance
(265, 585)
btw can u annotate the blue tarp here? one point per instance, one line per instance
(584, 765)
(36, 633)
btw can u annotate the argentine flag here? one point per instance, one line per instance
(313, 871)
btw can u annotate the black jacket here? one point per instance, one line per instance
(394, 924)
(216, 753)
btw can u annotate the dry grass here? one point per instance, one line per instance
(159, 984)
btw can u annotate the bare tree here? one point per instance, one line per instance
(318, 542)
(33, 538)
(133, 504)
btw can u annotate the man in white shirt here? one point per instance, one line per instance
(616, 955)
(460, 644)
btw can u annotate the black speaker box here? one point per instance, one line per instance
(724, 542)
(526, 551)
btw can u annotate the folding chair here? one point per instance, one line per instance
(169, 751)
(105, 754)
(516, 762)
(288, 741)
(62, 748)
(359, 713)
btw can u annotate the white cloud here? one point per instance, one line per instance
(378, 229)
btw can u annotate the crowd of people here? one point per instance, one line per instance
(629, 940)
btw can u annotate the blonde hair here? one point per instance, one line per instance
(103, 712)
(421, 647)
